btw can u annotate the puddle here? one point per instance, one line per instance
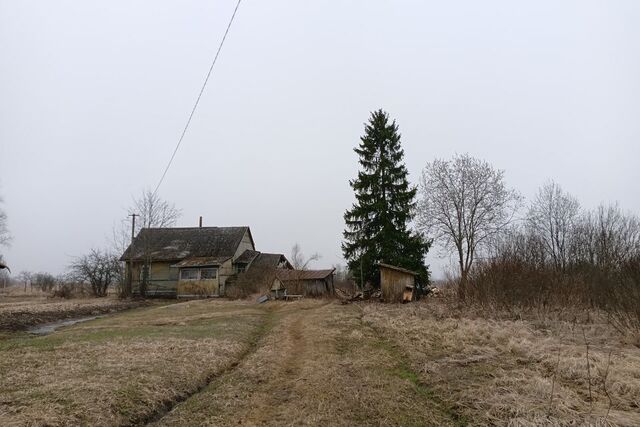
(48, 328)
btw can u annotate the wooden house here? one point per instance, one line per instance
(191, 261)
(397, 284)
(309, 283)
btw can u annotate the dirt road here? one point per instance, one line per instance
(317, 364)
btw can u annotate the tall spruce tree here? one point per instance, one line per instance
(377, 224)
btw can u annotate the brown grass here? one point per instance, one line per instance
(316, 362)
(503, 371)
(319, 365)
(122, 369)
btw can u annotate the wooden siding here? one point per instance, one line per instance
(393, 284)
(245, 244)
(201, 288)
(163, 279)
(309, 288)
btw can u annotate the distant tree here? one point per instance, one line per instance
(606, 238)
(5, 237)
(465, 205)
(298, 259)
(26, 278)
(119, 241)
(552, 217)
(98, 269)
(154, 212)
(377, 225)
(44, 281)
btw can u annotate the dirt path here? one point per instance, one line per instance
(318, 365)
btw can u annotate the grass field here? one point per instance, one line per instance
(316, 362)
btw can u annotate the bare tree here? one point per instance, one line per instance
(606, 238)
(465, 204)
(26, 278)
(44, 281)
(154, 212)
(119, 241)
(99, 269)
(5, 236)
(552, 217)
(298, 259)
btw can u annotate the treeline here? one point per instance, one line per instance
(92, 274)
(561, 256)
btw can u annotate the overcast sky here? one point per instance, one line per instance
(94, 95)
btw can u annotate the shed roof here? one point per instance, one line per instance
(175, 244)
(402, 270)
(290, 275)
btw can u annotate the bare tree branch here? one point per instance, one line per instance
(464, 205)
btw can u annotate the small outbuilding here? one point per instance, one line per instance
(308, 283)
(397, 284)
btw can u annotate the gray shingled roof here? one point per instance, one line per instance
(246, 257)
(269, 260)
(175, 244)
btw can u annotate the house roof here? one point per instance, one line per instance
(402, 270)
(291, 275)
(247, 256)
(175, 244)
(269, 260)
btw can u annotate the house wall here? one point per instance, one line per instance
(393, 283)
(245, 244)
(163, 279)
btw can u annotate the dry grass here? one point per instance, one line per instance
(503, 372)
(20, 311)
(319, 365)
(316, 362)
(122, 369)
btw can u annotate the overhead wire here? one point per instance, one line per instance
(195, 105)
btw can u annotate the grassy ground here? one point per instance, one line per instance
(318, 365)
(122, 369)
(503, 371)
(317, 362)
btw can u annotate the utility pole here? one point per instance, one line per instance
(131, 252)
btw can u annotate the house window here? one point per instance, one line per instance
(189, 274)
(208, 273)
(142, 269)
(240, 268)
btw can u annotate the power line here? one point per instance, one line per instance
(193, 110)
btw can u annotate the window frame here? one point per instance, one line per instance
(208, 269)
(184, 270)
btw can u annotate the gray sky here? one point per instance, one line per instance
(93, 96)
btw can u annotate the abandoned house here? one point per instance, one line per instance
(309, 283)
(193, 261)
(397, 284)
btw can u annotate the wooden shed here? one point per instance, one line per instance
(397, 284)
(309, 283)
